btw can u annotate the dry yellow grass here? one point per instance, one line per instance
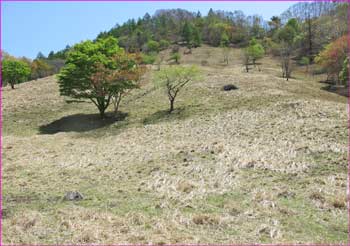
(239, 166)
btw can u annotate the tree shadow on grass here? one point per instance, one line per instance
(80, 123)
(179, 113)
(337, 89)
(340, 90)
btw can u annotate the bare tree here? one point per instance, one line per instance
(285, 55)
(173, 79)
(226, 54)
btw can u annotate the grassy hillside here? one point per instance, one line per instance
(266, 162)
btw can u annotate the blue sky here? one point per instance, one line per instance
(30, 27)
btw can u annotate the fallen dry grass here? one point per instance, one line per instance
(264, 163)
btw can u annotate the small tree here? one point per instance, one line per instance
(187, 33)
(224, 43)
(197, 39)
(285, 53)
(252, 53)
(246, 60)
(173, 79)
(305, 61)
(255, 51)
(288, 39)
(99, 71)
(226, 54)
(14, 71)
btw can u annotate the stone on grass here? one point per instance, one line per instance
(73, 196)
(229, 87)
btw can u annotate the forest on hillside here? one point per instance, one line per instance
(304, 34)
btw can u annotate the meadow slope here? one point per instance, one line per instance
(264, 163)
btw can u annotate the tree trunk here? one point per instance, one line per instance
(12, 85)
(171, 105)
(102, 112)
(101, 107)
(117, 100)
(310, 38)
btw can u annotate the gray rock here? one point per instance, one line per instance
(73, 196)
(229, 87)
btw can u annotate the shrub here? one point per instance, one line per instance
(148, 58)
(163, 44)
(152, 46)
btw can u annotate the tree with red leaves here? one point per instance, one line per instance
(333, 56)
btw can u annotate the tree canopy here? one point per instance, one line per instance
(333, 56)
(100, 71)
(14, 71)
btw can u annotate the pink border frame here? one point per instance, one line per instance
(209, 244)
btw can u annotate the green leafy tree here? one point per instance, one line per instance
(148, 58)
(252, 53)
(224, 41)
(153, 46)
(187, 33)
(215, 33)
(255, 51)
(99, 71)
(14, 72)
(173, 79)
(197, 39)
